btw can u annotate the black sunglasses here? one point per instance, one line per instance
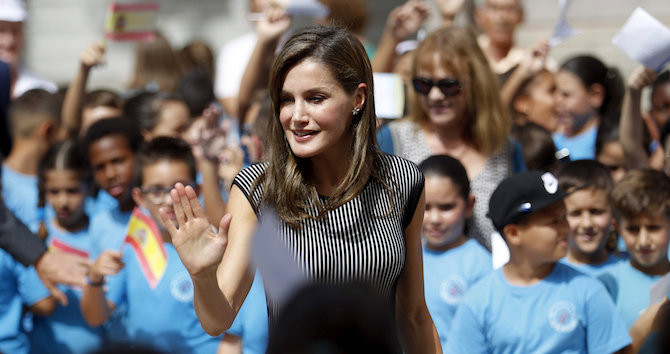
(449, 86)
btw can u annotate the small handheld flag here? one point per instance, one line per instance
(145, 239)
(131, 22)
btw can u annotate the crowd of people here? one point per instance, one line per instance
(520, 206)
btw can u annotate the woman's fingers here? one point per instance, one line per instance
(176, 204)
(185, 205)
(194, 202)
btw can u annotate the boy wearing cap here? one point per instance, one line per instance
(534, 304)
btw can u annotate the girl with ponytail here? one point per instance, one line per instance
(63, 176)
(588, 93)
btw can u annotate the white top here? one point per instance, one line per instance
(231, 63)
(28, 81)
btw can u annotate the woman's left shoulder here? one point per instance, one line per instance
(400, 171)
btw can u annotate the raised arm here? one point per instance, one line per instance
(74, 96)
(221, 280)
(403, 21)
(275, 23)
(631, 123)
(417, 332)
(533, 62)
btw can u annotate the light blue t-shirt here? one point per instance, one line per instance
(100, 203)
(251, 322)
(629, 289)
(594, 270)
(19, 286)
(567, 312)
(447, 275)
(66, 331)
(581, 147)
(20, 193)
(162, 318)
(108, 231)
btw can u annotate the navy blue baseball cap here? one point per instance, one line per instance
(522, 194)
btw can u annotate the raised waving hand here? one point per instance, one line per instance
(198, 245)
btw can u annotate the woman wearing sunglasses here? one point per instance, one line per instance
(456, 110)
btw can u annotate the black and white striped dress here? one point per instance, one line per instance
(362, 240)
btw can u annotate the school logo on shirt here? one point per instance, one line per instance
(181, 287)
(452, 289)
(563, 316)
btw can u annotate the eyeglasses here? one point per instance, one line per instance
(449, 87)
(156, 195)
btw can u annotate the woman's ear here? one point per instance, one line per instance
(360, 95)
(596, 95)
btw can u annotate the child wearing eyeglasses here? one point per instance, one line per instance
(159, 315)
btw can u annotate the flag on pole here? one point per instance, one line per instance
(131, 22)
(145, 239)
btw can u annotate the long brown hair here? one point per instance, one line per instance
(286, 183)
(156, 62)
(488, 123)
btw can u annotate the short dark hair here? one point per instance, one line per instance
(197, 90)
(537, 146)
(585, 174)
(449, 167)
(30, 110)
(164, 148)
(642, 192)
(121, 126)
(145, 107)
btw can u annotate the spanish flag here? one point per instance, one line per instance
(145, 238)
(131, 22)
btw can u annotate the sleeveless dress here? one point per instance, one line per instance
(409, 142)
(362, 241)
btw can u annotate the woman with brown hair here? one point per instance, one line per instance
(348, 213)
(457, 111)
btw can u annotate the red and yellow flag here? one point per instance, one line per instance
(131, 22)
(145, 238)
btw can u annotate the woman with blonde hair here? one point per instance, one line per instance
(348, 213)
(457, 111)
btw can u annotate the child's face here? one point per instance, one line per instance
(573, 101)
(611, 155)
(445, 213)
(64, 190)
(660, 103)
(590, 219)
(113, 162)
(173, 119)
(646, 239)
(541, 107)
(157, 181)
(543, 236)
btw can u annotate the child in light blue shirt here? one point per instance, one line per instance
(159, 315)
(534, 304)
(642, 205)
(19, 286)
(451, 261)
(590, 216)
